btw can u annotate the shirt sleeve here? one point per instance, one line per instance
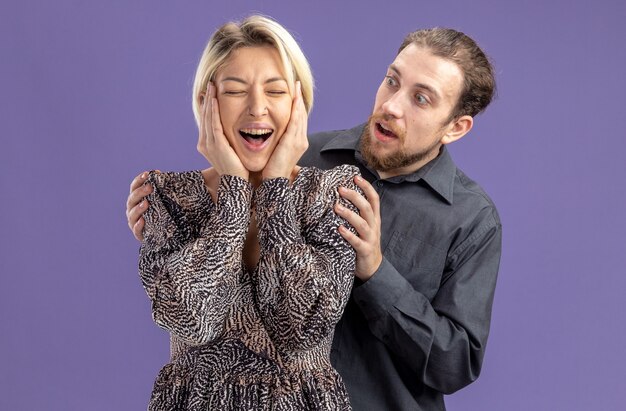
(191, 254)
(443, 341)
(305, 274)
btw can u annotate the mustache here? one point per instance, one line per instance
(389, 125)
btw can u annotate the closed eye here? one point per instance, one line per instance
(234, 92)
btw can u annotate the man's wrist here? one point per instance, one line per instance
(365, 275)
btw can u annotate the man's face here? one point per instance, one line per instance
(411, 116)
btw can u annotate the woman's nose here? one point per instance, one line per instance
(257, 105)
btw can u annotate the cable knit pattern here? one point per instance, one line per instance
(247, 340)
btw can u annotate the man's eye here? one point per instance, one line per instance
(276, 92)
(233, 92)
(421, 99)
(390, 81)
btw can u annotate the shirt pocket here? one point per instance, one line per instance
(421, 263)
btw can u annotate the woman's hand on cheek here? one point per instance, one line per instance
(212, 142)
(292, 144)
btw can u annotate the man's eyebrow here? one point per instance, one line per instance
(418, 85)
(395, 70)
(242, 81)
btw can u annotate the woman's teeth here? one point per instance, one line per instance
(256, 131)
(256, 135)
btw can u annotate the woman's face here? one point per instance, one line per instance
(255, 103)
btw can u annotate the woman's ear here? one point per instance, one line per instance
(457, 129)
(203, 94)
(201, 98)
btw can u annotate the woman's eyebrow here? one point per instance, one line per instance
(237, 79)
(242, 81)
(274, 79)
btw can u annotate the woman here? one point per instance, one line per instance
(244, 262)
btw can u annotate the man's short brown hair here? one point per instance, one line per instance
(479, 83)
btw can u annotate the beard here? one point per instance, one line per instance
(396, 160)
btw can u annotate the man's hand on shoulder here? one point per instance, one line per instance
(367, 224)
(136, 204)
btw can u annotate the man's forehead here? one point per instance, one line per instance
(419, 65)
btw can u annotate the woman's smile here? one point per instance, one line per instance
(255, 103)
(257, 135)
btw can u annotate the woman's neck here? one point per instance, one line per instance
(255, 179)
(211, 179)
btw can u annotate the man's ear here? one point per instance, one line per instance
(457, 129)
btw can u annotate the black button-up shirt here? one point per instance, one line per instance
(417, 329)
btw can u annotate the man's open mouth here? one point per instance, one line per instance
(256, 136)
(385, 131)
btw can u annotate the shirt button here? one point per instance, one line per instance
(379, 183)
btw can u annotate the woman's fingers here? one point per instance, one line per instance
(299, 117)
(216, 124)
(205, 121)
(297, 122)
(213, 144)
(302, 120)
(293, 142)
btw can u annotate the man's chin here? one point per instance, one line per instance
(373, 152)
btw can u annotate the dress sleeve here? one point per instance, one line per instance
(190, 258)
(306, 269)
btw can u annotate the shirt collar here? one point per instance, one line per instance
(439, 173)
(345, 140)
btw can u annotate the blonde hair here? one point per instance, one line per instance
(254, 31)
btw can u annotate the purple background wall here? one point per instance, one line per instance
(95, 92)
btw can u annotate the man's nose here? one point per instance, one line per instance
(393, 105)
(257, 104)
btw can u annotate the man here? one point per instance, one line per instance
(429, 240)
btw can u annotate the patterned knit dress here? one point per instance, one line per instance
(247, 339)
